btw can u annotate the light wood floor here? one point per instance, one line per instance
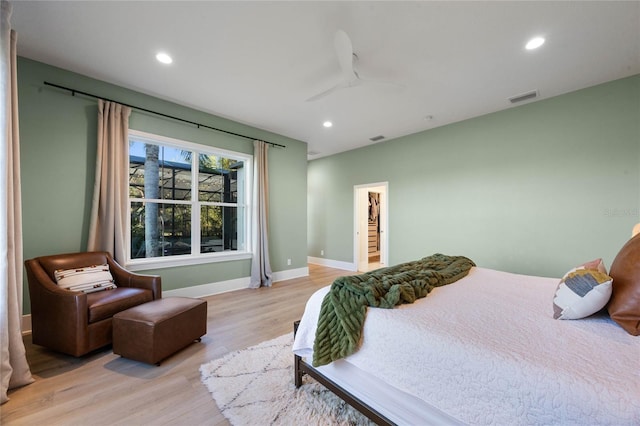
(105, 389)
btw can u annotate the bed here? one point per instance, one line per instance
(487, 350)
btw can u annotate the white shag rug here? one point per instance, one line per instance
(255, 386)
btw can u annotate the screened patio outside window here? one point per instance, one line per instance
(185, 199)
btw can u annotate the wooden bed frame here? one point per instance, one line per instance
(300, 368)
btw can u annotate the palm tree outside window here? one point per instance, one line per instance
(185, 199)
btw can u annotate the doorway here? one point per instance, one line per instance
(370, 224)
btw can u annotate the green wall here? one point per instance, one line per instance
(534, 189)
(58, 147)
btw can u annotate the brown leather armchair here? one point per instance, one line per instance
(74, 322)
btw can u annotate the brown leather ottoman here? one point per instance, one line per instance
(155, 330)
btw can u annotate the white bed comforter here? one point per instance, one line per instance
(486, 350)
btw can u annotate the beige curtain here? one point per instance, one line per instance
(107, 229)
(261, 274)
(14, 369)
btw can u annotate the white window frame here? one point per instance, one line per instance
(194, 258)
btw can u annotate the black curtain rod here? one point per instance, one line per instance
(74, 91)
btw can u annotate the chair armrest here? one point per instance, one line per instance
(48, 300)
(45, 285)
(126, 278)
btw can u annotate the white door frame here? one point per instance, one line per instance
(360, 223)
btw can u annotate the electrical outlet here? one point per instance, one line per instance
(321, 252)
(288, 261)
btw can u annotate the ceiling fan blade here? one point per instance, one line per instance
(344, 51)
(381, 83)
(327, 92)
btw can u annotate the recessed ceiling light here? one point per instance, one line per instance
(327, 124)
(164, 58)
(534, 43)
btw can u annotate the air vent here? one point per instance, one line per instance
(312, 153)
(376, 138)
(524, 97)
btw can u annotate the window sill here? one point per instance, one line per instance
(171, 262)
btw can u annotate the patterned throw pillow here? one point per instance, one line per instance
(580, 293)
(88, 279)
(596, 264)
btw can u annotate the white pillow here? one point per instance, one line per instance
(87, 279)
(580, 293)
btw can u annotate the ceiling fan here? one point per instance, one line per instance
(346, 60)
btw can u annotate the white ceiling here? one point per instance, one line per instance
(258, 62)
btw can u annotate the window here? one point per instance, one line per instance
(186, 201)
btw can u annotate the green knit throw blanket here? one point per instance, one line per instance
(343, 309)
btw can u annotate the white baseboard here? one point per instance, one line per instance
(26, 324)
(338, 264)
(231, 285)
(210, 289)
(206, 289)
(290, 274)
